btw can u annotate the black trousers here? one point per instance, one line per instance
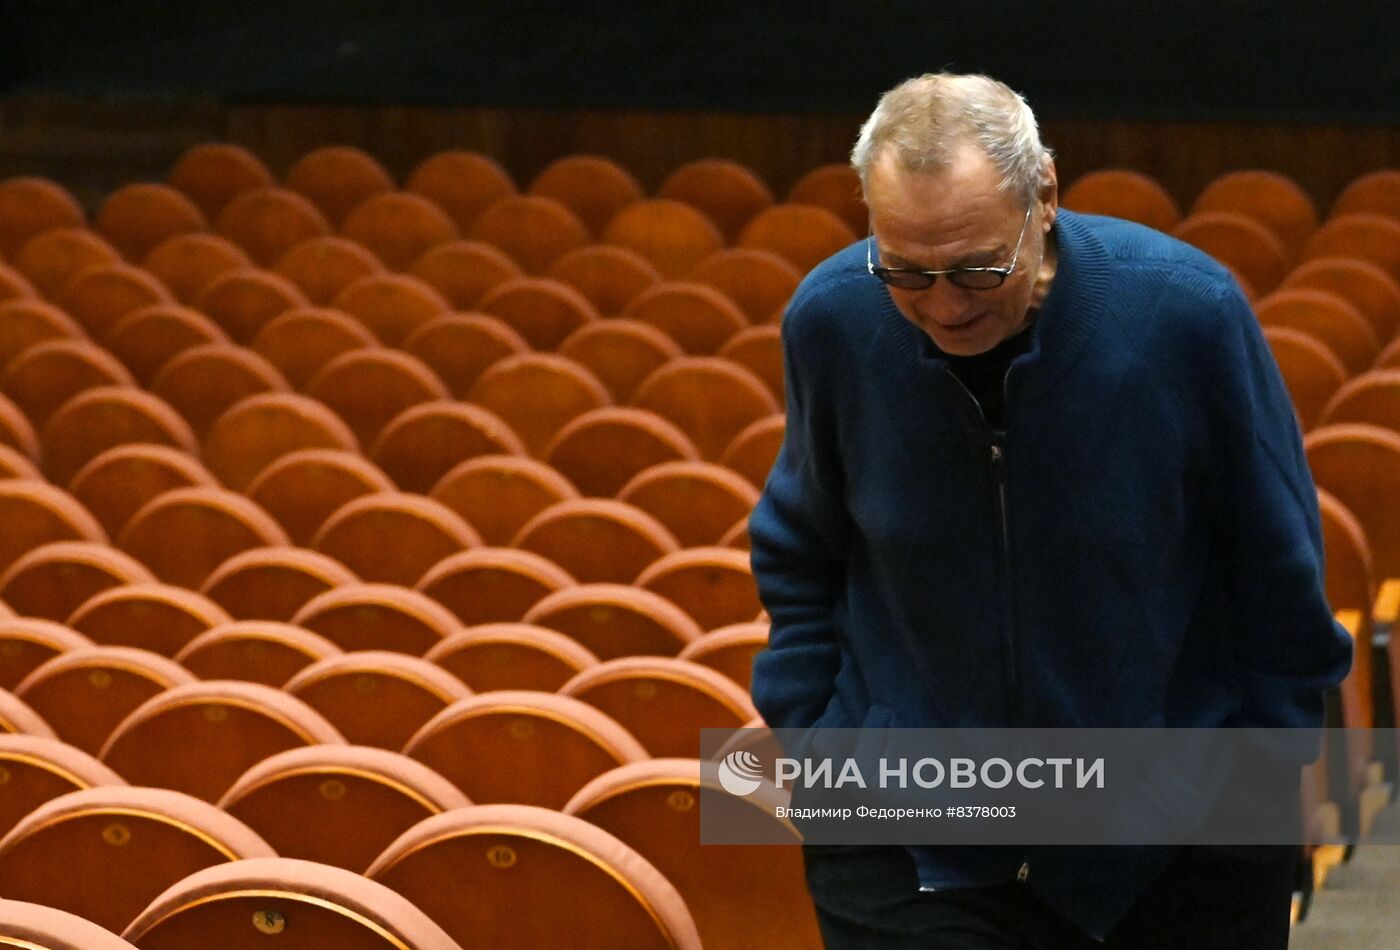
(1209, 898)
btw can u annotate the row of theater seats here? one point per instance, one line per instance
(332, 543)
(346, 847)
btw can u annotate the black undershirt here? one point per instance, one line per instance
(984, 375)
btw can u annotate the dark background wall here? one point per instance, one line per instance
(93, 93)
(1262, 59)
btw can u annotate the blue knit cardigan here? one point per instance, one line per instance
(1139, 547)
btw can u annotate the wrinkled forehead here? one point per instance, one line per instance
(961, 201)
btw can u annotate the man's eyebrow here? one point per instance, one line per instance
(982, 258)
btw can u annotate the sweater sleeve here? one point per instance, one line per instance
(799, 530)
(1287, 644)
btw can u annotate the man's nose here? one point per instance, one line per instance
(942, 302)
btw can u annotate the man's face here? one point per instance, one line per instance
(957, 217)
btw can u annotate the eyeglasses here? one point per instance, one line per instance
(969, 278)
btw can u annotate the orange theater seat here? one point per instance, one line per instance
(185, 534)
(204, 382)
(459, 347)
(376, 698)
(1310, 369)
(1274, 200)
(1122, 193)
(726, 192)
(244, 300)
(391, 306)
(369, 387)
(1370, 237)
(740, 896)
(759, 281)
(338, 805)
(602, 450)
(337, 178)
(714, 585)
(495, 656)
(377, 617)
(1367, 287)
(498, 494)
(187, 263)
(1326, 317)
(699, 318)
(36, 513)
(730, 650)
(696, 501)
(53, 580)
(104, 853)
(147, 339)
(760, 351)
(268, 222)
(1376, 192)
(84, 694)
(26, 643)
(591, 186)
(608, 276)
(393, 537)
(51, 259)
(258, 651)
(237, 905)
(674, 237)
(710, 400)
(616, 620)
(303, 488)
(423, 443)
(1372, 398)
(399, 227)
(597, 539)
(39, 769)
(1240, 243)
(462, 183)
(200, 737)
(273, 583)
(537, 394)
(545, 874)
(213, 173)
(554, 745)
(803, 234)
(543, 311)
(489, 585)
(29, 207)
(620, 352)
(48, 374)
(322, 267)
(837, 189)
(16, 430)
(99, 296)
(464, 271)
(262, 429)
(157, 617)
(532, 230)
(139, 217)
(99, 419)
(664, 702)
(304, 339)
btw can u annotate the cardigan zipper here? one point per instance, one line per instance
(1013, 658)
(996, 447)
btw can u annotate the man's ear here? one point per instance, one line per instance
(1049, 193)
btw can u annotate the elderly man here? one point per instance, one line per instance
(1040, 470)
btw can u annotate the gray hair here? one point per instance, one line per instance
(924, 119)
